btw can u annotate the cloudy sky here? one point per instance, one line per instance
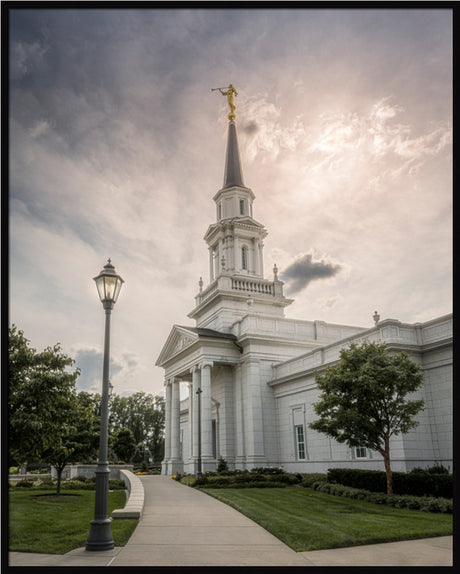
(117, 146)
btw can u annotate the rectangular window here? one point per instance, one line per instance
(300, 441)
(219, 211)
(244, 258)
(241, 206)
(361, 452)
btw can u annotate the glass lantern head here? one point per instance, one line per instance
(108, 284)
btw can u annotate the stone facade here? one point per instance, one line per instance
(254, 369)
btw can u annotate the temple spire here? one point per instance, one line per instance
(233, 175)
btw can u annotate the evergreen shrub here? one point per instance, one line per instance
(308, 479)
(418, 482)
(423, 503)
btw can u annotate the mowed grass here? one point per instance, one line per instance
(57, 524)
(308, 520)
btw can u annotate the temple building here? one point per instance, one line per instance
(250, 371)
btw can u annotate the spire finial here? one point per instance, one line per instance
(229, 93)
(275, 272)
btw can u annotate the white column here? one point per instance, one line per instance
(211, 265)
(239, 430)
(196, 380)
(255, 249)
(175, 420)
(167, 455)
(253, 414)
(191, 400)
(261, 258)
(206, 412)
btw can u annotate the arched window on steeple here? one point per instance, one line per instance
(244, 257)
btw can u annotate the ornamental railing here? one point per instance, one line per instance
(253, 286)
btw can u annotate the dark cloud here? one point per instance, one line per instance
(304, 270)
(90, 362)
(251, 127)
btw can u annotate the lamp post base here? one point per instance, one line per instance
(100, 535)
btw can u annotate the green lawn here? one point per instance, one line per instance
(308, 520)
(56, 525)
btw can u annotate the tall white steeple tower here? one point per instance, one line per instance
(235, 242)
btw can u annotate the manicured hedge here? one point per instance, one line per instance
(423, 503)
(418, 482)
(77, 484)
(242, 480)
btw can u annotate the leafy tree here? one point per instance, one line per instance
(124, 445)
(78, 439)
(363, 399)
(41, 397)
(144, 415)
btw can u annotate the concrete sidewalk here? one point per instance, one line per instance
(182, 526)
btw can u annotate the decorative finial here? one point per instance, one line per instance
(376, 317)
(229, 93)
(275, 272)
(200, 283)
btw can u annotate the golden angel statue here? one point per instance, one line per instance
(230, 91)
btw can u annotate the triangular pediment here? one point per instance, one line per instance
(235, 221)
(178, 340)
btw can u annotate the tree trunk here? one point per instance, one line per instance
(59, 470)
(386, 461)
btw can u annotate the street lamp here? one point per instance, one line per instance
(198, 392)
(100, 537)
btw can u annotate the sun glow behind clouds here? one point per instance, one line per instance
(118, 146)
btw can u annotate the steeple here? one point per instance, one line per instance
(233, 175)
(235, 243)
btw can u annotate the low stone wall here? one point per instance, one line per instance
(88, 470)
(135, 504)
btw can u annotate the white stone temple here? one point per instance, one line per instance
(254, 369)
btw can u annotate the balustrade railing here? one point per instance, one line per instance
(253, 286)
(225, 282)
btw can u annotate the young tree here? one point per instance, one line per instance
(363, 399)
(41, 397)
(78, 439)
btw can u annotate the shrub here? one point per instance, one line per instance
(438, 469)
(77, 485)
(222, 465)
(189, 480)
(307, 480)
(423, 503)
(268, 470)
(418, 482)
(24, 483)
(117, 484)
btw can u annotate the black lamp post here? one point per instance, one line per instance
(100, 537)
(198, 392)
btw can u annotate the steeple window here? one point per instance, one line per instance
(219, 212)
(244, 257)
(241, 206)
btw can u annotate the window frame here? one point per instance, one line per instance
(244, 258)
(300, 443)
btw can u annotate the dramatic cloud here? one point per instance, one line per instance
(299, 274)
(117, 147)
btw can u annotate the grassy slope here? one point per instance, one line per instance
(56, 525)
(308, 520)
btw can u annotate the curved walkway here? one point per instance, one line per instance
(181, 526)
